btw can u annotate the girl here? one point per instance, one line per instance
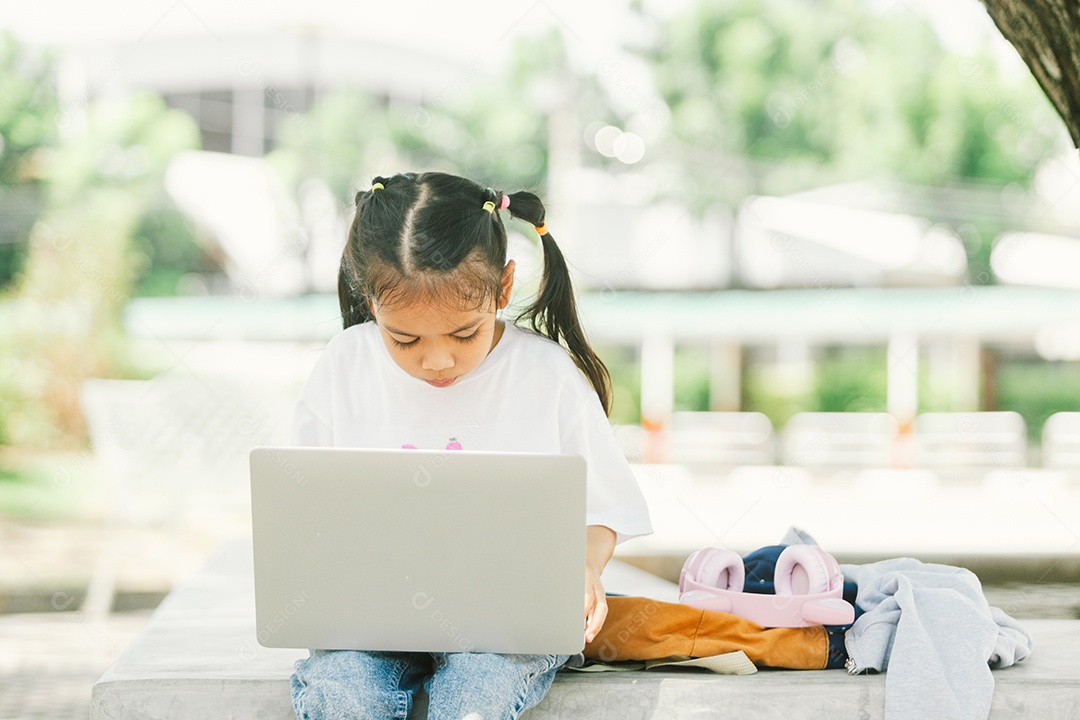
(425, 361)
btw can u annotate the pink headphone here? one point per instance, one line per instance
(809, 588)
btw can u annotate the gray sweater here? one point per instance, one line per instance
(932, 628)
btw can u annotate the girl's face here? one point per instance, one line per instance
(441, 343)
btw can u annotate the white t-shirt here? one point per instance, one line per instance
(526, 396)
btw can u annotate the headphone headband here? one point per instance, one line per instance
(809, 588)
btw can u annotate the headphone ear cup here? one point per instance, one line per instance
(806, 570)
(720, 568)
(690, 569)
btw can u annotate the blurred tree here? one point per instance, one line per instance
(850, 379)
(778, 96)
(341, 141)
(167, 256)
(1037, 389)
(1046, 33)
(80, 270)
(691, 391)
(494, 127)
(27, 108)
(489, 126)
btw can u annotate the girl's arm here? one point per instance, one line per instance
(599, 545)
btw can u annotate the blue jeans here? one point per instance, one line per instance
(340, 684)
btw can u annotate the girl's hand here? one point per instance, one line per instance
(595, 603)
(599, 544)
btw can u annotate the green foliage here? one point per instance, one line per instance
(691, 378)
(485, 138)
(128, 144)
(1037, 390)
(100, 185)
(841, 379)
(65, 326)
(489, 124)
(20, 204)
(163, 250)
(493, 126)
(851, 379)
(622, 362)
(827, 92)
(50, 487)
(767, 391)
(846, 379)
(691, 381)
(28, 106)
(341, 141)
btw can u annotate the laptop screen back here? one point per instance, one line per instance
(438, 551)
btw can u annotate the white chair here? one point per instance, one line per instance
(710, 441)
(839, 440)
(970, 442)
(174, 449)
(1061, 441)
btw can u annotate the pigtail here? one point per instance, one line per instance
(355, 308)
(554, 311)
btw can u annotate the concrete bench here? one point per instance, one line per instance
(198, 658)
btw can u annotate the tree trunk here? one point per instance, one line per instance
(1046, 33)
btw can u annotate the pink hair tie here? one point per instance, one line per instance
(505, 203)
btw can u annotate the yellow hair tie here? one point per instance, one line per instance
(541, 229)
(490, 207)
(377, 186)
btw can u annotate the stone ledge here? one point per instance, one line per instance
(197, 658)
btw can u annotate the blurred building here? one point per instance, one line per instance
(861, 264)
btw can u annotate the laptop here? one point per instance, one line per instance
(418, 550)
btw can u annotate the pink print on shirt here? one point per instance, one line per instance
(452, 445)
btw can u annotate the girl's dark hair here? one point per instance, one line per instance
(427, 237)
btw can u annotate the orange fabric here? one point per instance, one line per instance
(644, 629)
